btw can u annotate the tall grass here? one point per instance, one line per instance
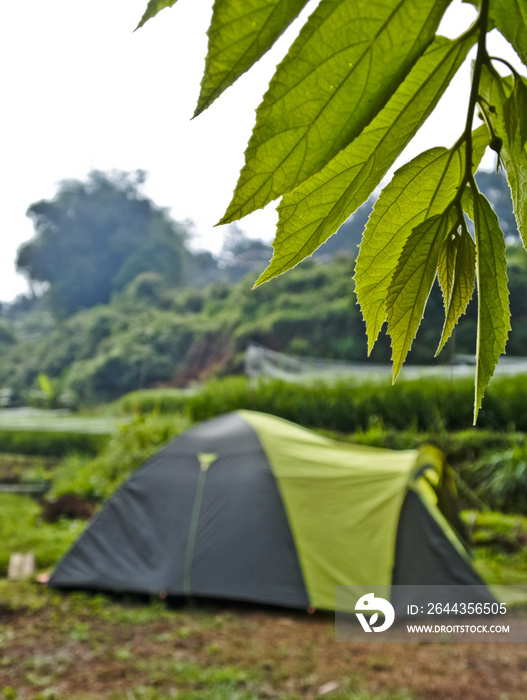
(500, 477)
(154, 401)
(22, 530)
(430, 404)
(500, 556)
(50, 444)
(98, 478)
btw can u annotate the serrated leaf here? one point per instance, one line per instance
(520, 92)
(459, 258)
(412, 283)
(310, 214)
(510, 17)
(153, 7)
(240, 33)
(515, 113)
(496, 91)
(348, 60)
(467, 203)
(446, 266)
(493, 295)
(510, 116)
(418, 191)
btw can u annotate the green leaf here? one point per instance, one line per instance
(419, 190)
(493, 295)
(510, 17)
(456, 273)
(496, 90)
(446, 267)
(45, 384)
(412, 282)
(153, 7)
(314, 211)
(240, 33)
(510, 116)
(521, 108)
(515, 112)
(348, 60)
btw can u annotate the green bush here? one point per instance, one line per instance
(378, 436)
(17, 468)
(150, 286)
(500, 478)
(500, 556)
(97, 479)
(431, 404)
(153, 401)
(467, 446)
(50, 444)
(151, 334)
(22, 530)
(150, 350)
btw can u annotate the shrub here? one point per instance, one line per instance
(500, 555)
(153, 401)
(148, 286)
(431, 404)
(97, 479)
(50, 444)
(22, 530)
(17, 468)
(500, 478)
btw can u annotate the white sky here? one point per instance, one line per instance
(81, 90)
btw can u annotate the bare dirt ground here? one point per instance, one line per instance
(81, 647)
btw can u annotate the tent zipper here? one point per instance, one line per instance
(205, 462)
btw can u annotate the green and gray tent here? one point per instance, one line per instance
(251, 507)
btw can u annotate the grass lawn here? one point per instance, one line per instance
(56, 646)
(78, 647)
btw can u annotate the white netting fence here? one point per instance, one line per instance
(262, 362)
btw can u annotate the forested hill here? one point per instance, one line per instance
(152, 328)
(151, 335)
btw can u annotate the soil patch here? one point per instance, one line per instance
(82, 647)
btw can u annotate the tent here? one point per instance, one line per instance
(251, 507)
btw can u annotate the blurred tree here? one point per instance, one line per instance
(494, 186)
(95, 237)
(240, 254)
(203, 269)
